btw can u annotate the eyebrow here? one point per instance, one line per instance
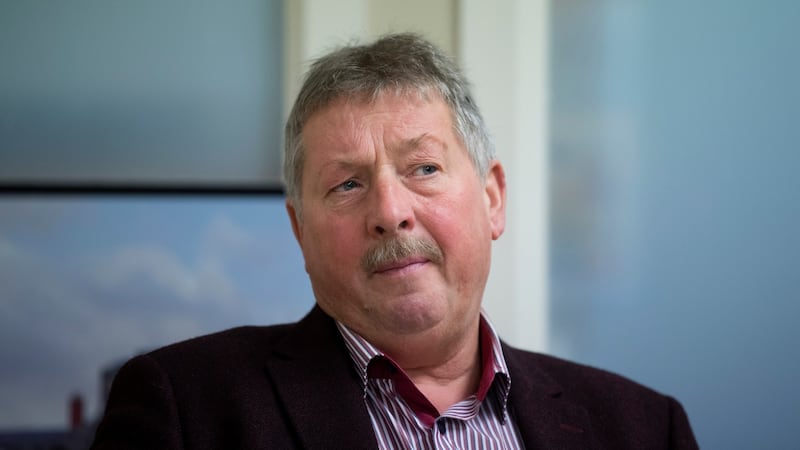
(416, 142)
(338, 164)
(406, 145)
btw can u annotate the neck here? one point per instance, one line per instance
(445, 373)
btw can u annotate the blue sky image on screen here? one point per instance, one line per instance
(87, 282)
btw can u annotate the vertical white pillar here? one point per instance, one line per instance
(503, 46)
(311, 27)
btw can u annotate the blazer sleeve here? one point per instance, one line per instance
(141, 411)
(681, 436)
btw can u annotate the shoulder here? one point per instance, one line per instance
(243, 350)
(209, 357)
(611, 401)
(194, 392)
(573, 377)
(243, 340)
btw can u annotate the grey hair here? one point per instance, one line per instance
(401, 63)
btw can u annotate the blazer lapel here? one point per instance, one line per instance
(315, 380)
(544, 418)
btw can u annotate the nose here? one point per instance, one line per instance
(391, 210)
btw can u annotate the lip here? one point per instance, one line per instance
(400, 266)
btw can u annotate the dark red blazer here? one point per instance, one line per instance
(294, 386)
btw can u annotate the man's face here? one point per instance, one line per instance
(396, 225)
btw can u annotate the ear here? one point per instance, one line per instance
(298, 232)
(297, 228)
(495, 190)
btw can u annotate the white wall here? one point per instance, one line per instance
(503, 48)
(314, 26)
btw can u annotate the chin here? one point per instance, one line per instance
(408, 316)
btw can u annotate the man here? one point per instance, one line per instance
(394, 196)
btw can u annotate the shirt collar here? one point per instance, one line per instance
(493, 364)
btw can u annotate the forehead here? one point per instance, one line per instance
(389, 115)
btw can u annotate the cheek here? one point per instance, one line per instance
(461, 219)
(332, 249)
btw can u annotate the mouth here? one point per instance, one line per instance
(401, 266)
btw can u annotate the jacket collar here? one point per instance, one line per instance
(544, 417)
(314, 379)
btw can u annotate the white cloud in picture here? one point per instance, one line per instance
(89, 295)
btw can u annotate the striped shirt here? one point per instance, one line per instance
(403, 418)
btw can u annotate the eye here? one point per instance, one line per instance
(427, 169)
(348, 185)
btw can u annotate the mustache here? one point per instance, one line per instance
(397, 248)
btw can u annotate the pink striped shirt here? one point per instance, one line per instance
(403, 418)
